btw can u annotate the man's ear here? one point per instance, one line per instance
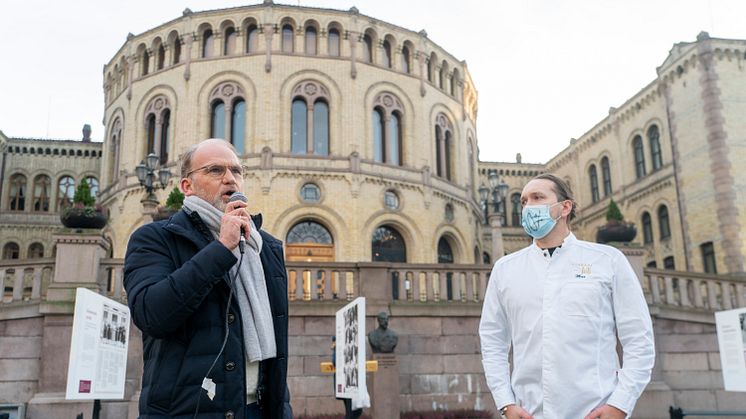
(186, 186)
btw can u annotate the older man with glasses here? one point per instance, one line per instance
(213, 311)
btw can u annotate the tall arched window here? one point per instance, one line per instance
(310, 119)
(606, 175)
(218, 120)
(288, 40)
(158, 117)
(161, 60)
(445, 253)
(593, 176)
(386, 53)
(36, 251)
(443, 76)
(208, 43)
(252, 39)
(367, 48)
(11, 251)
(432, 63)
(92, 185)
(454, 82)
(647, 228)
(515, 212)
(145, 57)
(115, 143)
(388, 114)
(663, 222)
(333, 42)
(470, 156)
(655, 147)
(228, 114)
(238, 125)
(229, 44)
(17, 195)
(311, 39)
(177, 50)
(387, 245)
(65, 192)
(405, 60)
(639, 156)
(42, 192)
(443, 145)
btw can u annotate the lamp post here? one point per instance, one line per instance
(493, 200)
(146, 175)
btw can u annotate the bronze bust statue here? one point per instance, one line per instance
(383, 340)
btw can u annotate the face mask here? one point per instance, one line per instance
(537, 220)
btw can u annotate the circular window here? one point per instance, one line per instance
(449, 213)
(391, 200)
(310, 193)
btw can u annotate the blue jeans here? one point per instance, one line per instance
(253, 412)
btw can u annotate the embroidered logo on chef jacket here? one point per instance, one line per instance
(582, 270)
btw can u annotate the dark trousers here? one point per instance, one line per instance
(253, 412)
(349, 413)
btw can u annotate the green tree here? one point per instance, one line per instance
(83, 195)
(175, 200)
(614, 213)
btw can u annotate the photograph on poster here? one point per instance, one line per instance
(114, 327)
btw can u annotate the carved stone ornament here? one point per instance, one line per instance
(311, 90)
(157, 105)
(226, 92)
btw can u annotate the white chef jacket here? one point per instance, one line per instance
(562, 314)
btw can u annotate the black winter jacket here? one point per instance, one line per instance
(177, 283)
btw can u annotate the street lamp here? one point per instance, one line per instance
(497, 191)
(146, 175)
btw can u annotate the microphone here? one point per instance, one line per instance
(238, 196)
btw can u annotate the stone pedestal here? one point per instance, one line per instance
(384, 387)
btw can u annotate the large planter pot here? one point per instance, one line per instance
(616, 232)
(83, 218)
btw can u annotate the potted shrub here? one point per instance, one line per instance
(173, 204)
(615, 229)
(84, 213)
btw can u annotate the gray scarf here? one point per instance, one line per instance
(251, 287)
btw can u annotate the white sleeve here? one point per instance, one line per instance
(494, 337)
(635, 331)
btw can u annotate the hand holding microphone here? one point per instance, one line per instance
(235, 225)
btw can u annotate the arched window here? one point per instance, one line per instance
(606, 175)
(11, 251)
(515, 210)
(386, 53)
(252, 39)
(454, 82)
(639, 156)
(238, 125)
(145, 62)
(42, 192)
(116, 136)
(309, 232)
(310, 119)
(593, 176)
(405, 60)
(655, 147)
(65, 192)
(470, 156)
(485, 258)
(228, 114)
(17, 195)
(161, 60)
(230, 40)
(367, 48)
(92, 185)
(443, 79)
(158, 117)
(208, 41)
(388, 113)
(36, 251)
(387, 245)
(311, 40)
(431, 68)
(218, 120)
(445, 253)
(647, 228)
(177, 50)
(443, 145)
(333, 42)
(287, 39)
(663, 223)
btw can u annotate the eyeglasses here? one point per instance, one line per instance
(218, 170)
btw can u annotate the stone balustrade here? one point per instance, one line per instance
(25, 279)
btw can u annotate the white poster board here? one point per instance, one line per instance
(350, 373)
(731, 329)
(98, 351)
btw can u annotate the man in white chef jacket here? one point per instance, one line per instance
(560, 303)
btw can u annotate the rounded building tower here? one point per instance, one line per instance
(358, 135)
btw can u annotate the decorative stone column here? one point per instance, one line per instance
(498, 250)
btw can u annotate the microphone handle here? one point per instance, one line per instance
(242, 241)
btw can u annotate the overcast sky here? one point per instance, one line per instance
(546, 70)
